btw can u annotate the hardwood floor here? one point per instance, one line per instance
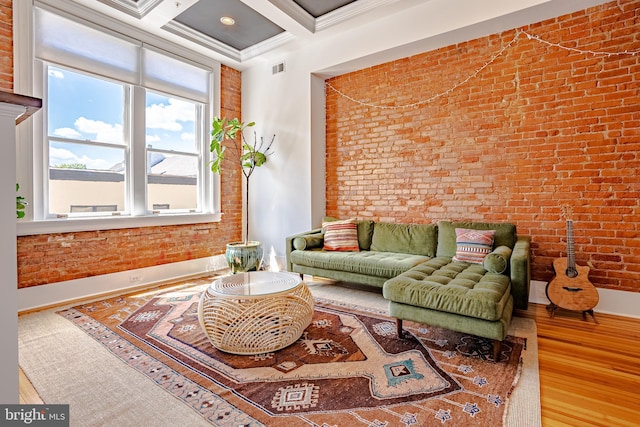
(589, 373)
(28, 394)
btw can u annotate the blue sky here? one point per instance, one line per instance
(82, 107)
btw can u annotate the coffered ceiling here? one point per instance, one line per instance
(253, 27)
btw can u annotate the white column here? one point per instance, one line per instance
(8, 255)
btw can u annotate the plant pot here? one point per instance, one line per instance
(243, 257)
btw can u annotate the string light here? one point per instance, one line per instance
(585, 52)
(479, 70)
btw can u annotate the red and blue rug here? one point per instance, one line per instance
(347, 369)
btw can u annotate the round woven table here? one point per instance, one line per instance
(255, 312)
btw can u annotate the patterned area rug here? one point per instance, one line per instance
(347, 369)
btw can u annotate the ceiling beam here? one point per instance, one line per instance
(165, 11)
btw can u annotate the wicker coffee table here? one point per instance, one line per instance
(255, 312)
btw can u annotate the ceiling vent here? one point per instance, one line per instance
(278, 68)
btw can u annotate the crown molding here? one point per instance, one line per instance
(349, 11)
(266, 46)
(297, 13)
(224, 49)
(137, 9)
(200, 39)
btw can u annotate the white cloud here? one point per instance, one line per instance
(55, 73)
(160, 116)
(188, 136)
(62, 156)
(103, 132)
(152, 138)
(67, 133)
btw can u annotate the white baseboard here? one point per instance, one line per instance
(58, 293)
(620, 303)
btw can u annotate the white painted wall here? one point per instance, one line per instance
(287, 196)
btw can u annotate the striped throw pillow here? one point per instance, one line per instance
(341, 235)
(473, 245)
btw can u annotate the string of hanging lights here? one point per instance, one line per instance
(494, 57)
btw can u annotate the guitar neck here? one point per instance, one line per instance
(571, 256)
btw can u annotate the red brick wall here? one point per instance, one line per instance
(6, 46)
(538, 129)
(50, 258)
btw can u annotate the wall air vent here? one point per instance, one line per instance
(278, 68)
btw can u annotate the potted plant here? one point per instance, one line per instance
(246, 255)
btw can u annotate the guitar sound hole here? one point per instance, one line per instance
(571, 272)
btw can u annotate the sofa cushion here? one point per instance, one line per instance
(380, 264)
(453, 287)
(473, 245)
(341, 235)
(365, 231)
(498, 260)
(417, 239)
(505, 235)
(308, 242)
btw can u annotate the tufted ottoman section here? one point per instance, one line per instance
(452, 287)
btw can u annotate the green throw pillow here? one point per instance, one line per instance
(498, 260)
(308, 242)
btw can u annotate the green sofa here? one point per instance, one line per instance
(415, 267)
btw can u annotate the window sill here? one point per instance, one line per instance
(26, 228)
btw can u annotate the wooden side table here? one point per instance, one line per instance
(255, 312)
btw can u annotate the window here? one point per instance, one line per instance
(125, 124)
(172, 153)
(87, 149)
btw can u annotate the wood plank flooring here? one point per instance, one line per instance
(589, 373)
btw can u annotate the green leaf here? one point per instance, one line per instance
(259, 159)
(231, 129)
(216, 164)
(21, 204)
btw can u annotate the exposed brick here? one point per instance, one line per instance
(538, 129)
(6, 45)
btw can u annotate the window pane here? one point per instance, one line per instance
(84, 108)
(86, 178)
(172, 182)
(170, 123)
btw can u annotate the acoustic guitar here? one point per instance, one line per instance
(570, 288)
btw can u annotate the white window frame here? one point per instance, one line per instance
(32, 167)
